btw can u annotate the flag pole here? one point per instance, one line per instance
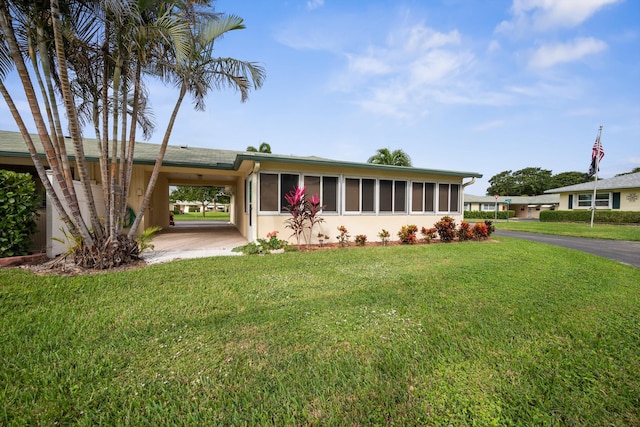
(595, 183)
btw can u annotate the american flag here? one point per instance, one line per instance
(596, 151)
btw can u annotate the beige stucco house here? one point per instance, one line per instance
(363, 197)
(617, 193)
(523, 206)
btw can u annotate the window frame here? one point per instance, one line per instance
(583, 200)
(321, 192)
(361, 198)
(394, 197)
(423, 198)
(448, 209)
(280, 195)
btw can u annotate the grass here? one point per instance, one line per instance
(492, 333)
(599, 231)
(197, 216)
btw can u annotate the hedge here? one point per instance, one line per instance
(19, 202)
(488, 214)
(601, 216)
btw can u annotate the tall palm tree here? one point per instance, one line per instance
(109, 47)
(263, 148)
(384, 156)
(197, 74)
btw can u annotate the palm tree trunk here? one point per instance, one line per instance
(158, 164)
(74, 126)
(42, 174)
(34, 107)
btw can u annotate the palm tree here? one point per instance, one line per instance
(264, 148)
(109, 47)
(384, 156)
(198, 73)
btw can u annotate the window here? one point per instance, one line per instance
(448, 197)
(422, 197)
(326, 187)
(269, 192)
(602, 200)
(360, 195)
(273, 188)
(392, 196)
(488, 207)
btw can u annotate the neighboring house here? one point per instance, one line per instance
(617, 193)
(523, 206)
(363, 197)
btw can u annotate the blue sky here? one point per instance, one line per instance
(457, 84)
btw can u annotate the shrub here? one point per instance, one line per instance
(18, 205)
(407, 234)
(465, 232)
(272, 242)
(361, 239)
(488, 214)
(490, 227)
(446, 229)
(343, 237)
(322, 237)
(429, 234)
(480, 231)
(601, 216)
(384, 237)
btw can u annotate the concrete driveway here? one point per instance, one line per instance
(622, 251)
(194, 239)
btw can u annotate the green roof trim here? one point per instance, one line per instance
(12, 145)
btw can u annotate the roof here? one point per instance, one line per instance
(12, 145)
(544, 199)
(631, 180)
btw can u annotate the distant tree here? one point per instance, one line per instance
(384, 156)
(264, 148)
(532, 181)
(634, 170)
(564, 179)
(524, 182)
(502, 184)
(202, 195)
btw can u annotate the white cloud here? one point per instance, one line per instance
(544, 15)
(314, 4)
(494, 46)
(552, 54)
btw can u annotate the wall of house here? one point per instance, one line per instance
(629, 199)
(356, 223)
(369, 225)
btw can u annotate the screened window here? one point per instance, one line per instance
(392, 196)
(269, 192)
(326, 187)
(273, 188)
(360, 195)
(448, 197)
(488, 207)
(422, 197)
(330, 193)
(287, 183)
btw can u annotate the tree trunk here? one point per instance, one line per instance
(158, 164)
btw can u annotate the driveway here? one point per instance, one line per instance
(194, 239)
(617, 250)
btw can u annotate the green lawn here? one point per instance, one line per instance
(507, 332)
(599, 231)
(197, 216)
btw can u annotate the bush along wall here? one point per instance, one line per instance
(488, 215)
(603, 217)
(18, 205)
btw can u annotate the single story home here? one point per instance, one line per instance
(620, 192)
(363, 197)
(523, 206)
